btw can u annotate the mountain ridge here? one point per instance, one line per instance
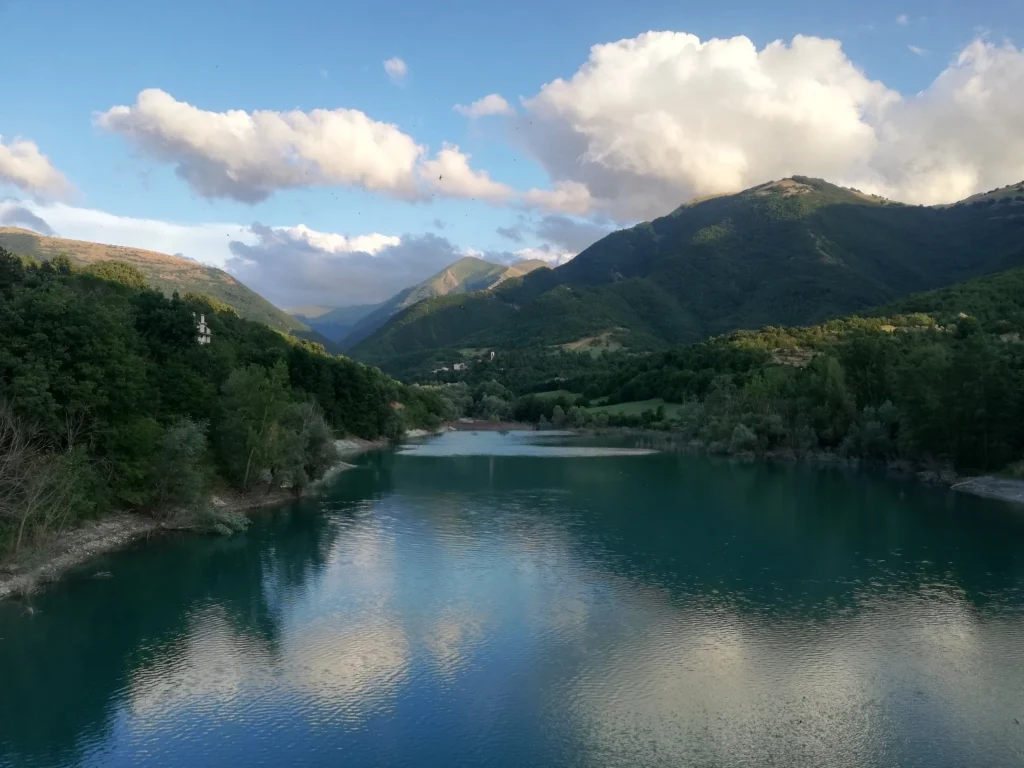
(162, 271)
(350, 325)
(792, 252)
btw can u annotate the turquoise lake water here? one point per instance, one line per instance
(507, 600)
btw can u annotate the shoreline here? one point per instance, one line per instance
(482, 425)
(51, 561)
(990, 487)
(1004, 489)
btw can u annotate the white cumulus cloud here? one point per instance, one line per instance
(566, 197)
(248, 156)
(333, 243)
(491, 104)
(206, 243)
(396, 69)
(903, 20)
(14, 214)
(568, 234)
(25, 167)
(960, 136)
(449, 173)
(643, 125)
(650, 122)
(550, 254)
(297, 266)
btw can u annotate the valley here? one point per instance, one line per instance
(490, 385)
(348, 326)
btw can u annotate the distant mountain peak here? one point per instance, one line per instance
(785, 187)
(468, 274)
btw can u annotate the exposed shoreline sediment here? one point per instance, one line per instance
(48, 563)
(1000, 488)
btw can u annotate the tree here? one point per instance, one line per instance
(40, 491)
(253, 400)
(833, 409)
(305, 447)
(577, 417)
(180, 471)
(133, 449)
(119, 272)
(558, 417)
(967, 326)
(493, 407)
(743, 439)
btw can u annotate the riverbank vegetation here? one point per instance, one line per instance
(109, 403)
(937, 378)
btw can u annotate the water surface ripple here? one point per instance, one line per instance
(498, 600)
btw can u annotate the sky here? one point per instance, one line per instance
(331, 153)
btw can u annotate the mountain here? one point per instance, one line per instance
(789, 252)
(350, 325)
(335, 323)
(312, 311)
(165, 273)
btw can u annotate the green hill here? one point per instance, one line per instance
(790, 252)
(163, 272)
(935, 378)
(350, 325)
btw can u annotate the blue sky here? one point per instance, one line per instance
(654, 123)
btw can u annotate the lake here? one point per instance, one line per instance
(512, 600)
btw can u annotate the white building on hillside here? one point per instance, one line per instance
(203, 333)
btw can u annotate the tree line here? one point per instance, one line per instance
(937, 377)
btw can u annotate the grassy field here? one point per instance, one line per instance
(595, 345)
(557, 393)
(638, 407)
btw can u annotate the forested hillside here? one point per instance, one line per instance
(791, 252)
(937, 377)
(163, 272)
(108, 402)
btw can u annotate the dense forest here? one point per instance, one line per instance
(108, 402)
(937, 377)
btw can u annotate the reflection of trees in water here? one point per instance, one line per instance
(697, 593)
(762, 542)
(62, 668)
(780, 537)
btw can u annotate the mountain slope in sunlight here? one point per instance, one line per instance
(350, 325)
(163, 272)
(789, 252)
